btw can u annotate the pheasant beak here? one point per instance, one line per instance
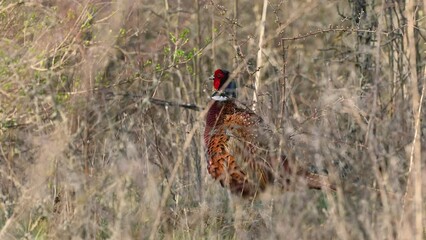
(211, 77)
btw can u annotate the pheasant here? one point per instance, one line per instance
(241, 153)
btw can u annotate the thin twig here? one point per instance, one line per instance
(175, 104)
(414, 183)
(259, 53)
(331, 29)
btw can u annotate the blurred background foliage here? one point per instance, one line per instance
(86, 153)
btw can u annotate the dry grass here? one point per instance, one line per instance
(84, 154)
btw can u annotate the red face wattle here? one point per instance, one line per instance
(219, 79)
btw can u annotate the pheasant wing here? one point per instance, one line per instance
(259, 156)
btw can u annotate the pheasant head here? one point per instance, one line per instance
(224, 89)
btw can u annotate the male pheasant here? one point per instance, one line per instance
(241, 152)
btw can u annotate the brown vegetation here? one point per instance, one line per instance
(86, 153)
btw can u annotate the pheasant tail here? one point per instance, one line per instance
(312, 180)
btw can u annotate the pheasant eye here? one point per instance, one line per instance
(218, 73)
